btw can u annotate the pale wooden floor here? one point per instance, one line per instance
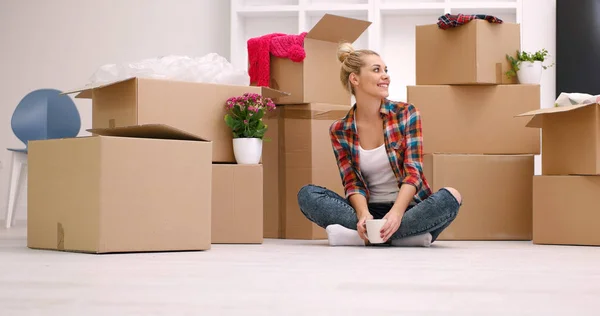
(285, 277)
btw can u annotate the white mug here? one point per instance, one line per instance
(374, 230)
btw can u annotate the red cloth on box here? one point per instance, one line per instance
(261, 48)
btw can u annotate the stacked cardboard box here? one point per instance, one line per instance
(567, 194)
(158, 174)
(299, 151)
(472, 141)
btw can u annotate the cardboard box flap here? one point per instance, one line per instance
(557, 109)
(272, 93)
(317, 111)
(337, 29)
(536, 120)
(155, 131)
(86, 91)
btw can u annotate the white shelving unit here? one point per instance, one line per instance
(392, 32)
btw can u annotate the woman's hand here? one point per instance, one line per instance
(361, 227)
(394, 218)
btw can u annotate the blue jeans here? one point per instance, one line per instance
(325, 207)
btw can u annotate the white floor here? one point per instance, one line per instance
(283, 277)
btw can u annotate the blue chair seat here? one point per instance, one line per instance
(45, 114)
(19, 150)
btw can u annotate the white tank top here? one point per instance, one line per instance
(375, 168)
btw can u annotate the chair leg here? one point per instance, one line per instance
(15, 186)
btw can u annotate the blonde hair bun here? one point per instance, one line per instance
(344, 50)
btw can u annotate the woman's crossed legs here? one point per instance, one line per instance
(425, 220)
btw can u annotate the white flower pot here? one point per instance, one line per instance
(247, 151)
(530, 72)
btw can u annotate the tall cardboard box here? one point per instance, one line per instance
(565, 210)
(273, 175)
(237, 204)
(317, 77)
(496, 194)
(193, 107)
(476, 119)
(301, 154)
(474, 53)
(140, 188)
(570, 138)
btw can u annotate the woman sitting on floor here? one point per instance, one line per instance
(382, 170)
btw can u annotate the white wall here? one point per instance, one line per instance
(60, 43)
(539, 31)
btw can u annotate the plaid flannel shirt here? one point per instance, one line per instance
(403, 144)
(453, 20)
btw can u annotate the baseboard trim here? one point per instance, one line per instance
(18, 223)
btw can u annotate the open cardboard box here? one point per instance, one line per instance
(131, 189)
(193, 107)
(316, 79)
(570, 138)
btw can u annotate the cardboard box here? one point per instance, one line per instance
(237, 204)
(476, 119)
(565, 210)
(474, 53)
(273, 174)
(300, 154)
(196, 108)
(142, 188)
(496, 192)
(317, 78)
(570, 138)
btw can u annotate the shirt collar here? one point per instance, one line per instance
(387, 108)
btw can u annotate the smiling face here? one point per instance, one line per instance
(373, 79)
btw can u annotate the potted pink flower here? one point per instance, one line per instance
(244, 117)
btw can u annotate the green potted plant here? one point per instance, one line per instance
(528, 66)
(245, 118)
